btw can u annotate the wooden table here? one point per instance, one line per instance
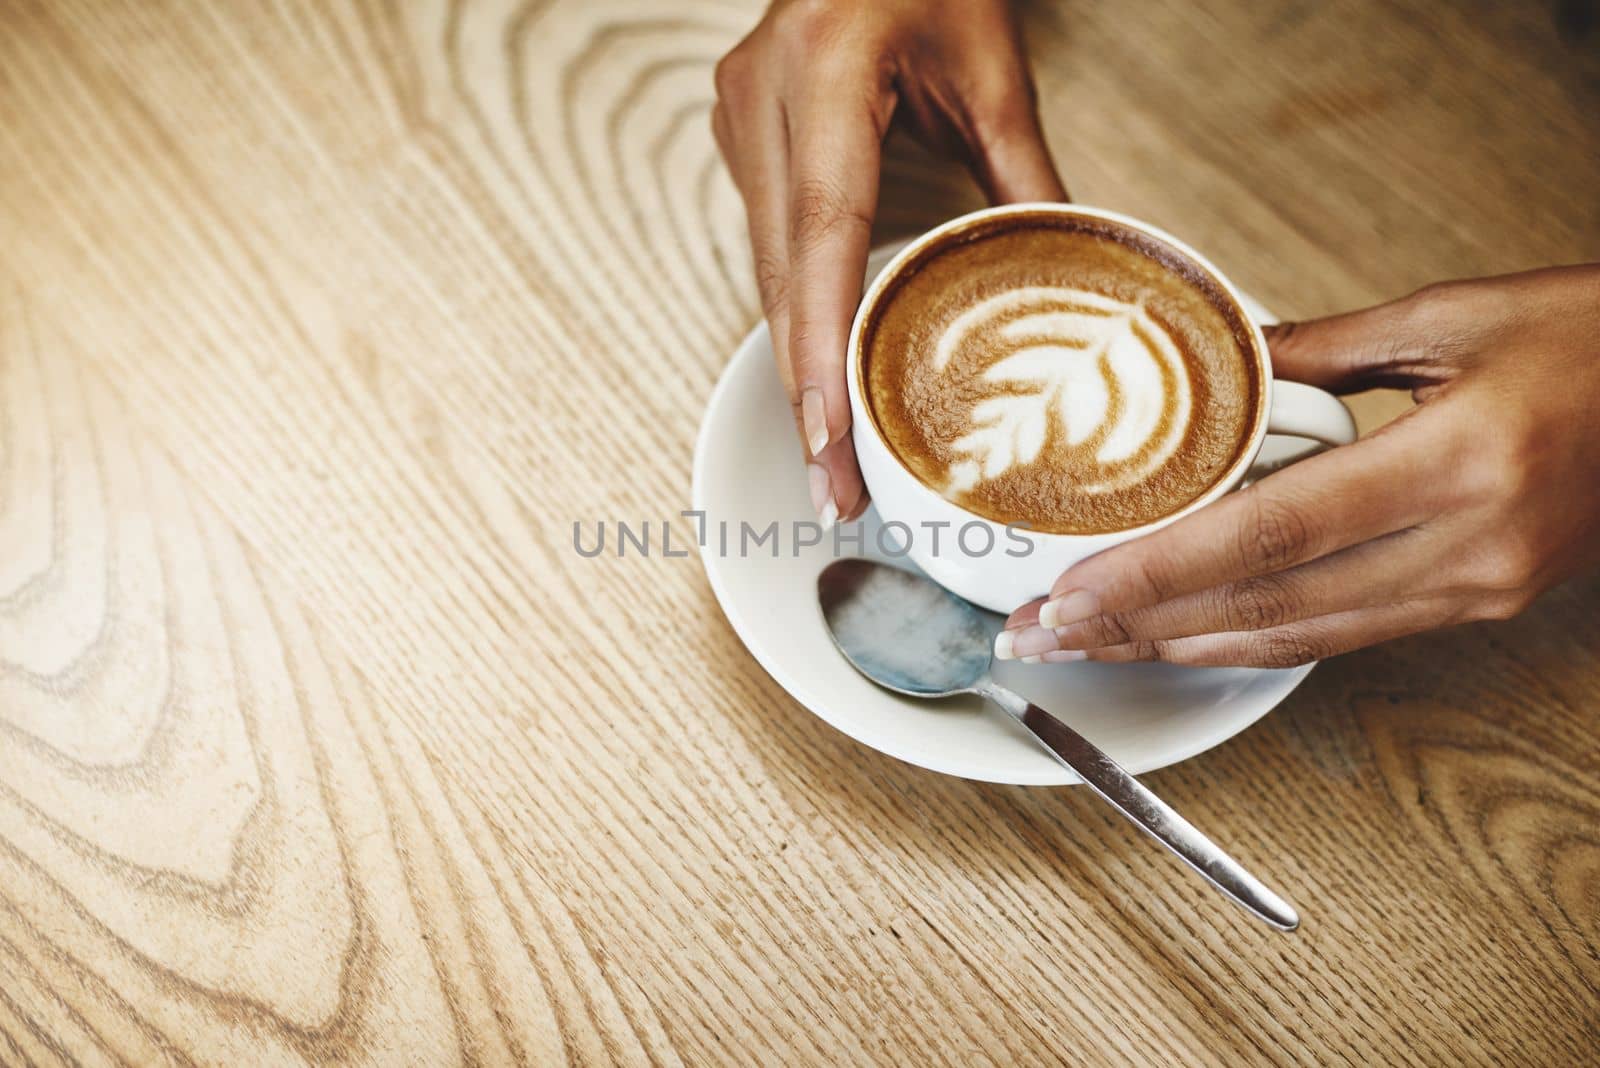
(319, 326)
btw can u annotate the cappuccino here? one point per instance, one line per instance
(1068, 373)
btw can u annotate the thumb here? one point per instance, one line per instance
(1384, 345)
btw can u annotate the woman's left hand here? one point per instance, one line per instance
(1467, 507)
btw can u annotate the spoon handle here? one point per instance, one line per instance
(1130, 797)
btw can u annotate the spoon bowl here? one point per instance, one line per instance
(904, 632)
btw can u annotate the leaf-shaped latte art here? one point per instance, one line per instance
(1102, 371)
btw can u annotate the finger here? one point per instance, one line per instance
(833, 188)
(1397, 566)
(1011, 160)
(1290, 645)
(749, 126)
(755, 143)
(750, 131)
(1385, 345)
(758, 158)
(1023, 620)
(1406, 565)
(1340, 498)
(1026, 616)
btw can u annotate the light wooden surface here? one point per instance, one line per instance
(319, 326)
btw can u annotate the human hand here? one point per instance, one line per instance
(1466, 507)
(803, 105)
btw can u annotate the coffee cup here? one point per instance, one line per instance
(999, 562)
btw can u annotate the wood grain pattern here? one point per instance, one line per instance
(321, 323)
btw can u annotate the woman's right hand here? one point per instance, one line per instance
(803, 104)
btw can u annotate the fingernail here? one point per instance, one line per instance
(1070, 608)
(1064, 656)
(821, 496)
(814, 414)
(1033, 641)
(1031, 660)
(1002, 645)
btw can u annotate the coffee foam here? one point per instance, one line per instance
(1063, 355)
(1074, 375)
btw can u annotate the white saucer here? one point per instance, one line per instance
(748, 467)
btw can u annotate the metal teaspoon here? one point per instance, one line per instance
(909, 635)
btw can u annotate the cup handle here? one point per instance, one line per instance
(1303, 411)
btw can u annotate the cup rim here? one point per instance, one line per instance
(861, 412)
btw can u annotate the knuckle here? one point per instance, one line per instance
(719, 128)
(1144, 650)
(1433, 296)
(803, 343)
(772, 280)
(1257, 604)
(1449, 297)
(1506, 469)
(1144, 581)
(1286, 648)
(1456, 317)
(797, 413)
(1275, 535)
(809, 24)
(1499, 478)
(1438, 305)
(1005, 105)
(1110, 629)
(731, 76)
(822, 209)
(1501, 606)
(1511, 566)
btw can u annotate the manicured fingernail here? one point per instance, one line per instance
(1033, 641)
(1069, 608)
(814, 414)
(1002, 645)
(822, 496)
(1031, 660)
(1064, 656)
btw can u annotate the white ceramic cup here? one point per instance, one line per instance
(1001, 568)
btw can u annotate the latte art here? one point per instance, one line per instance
(1066, 372)
(1100, 373)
